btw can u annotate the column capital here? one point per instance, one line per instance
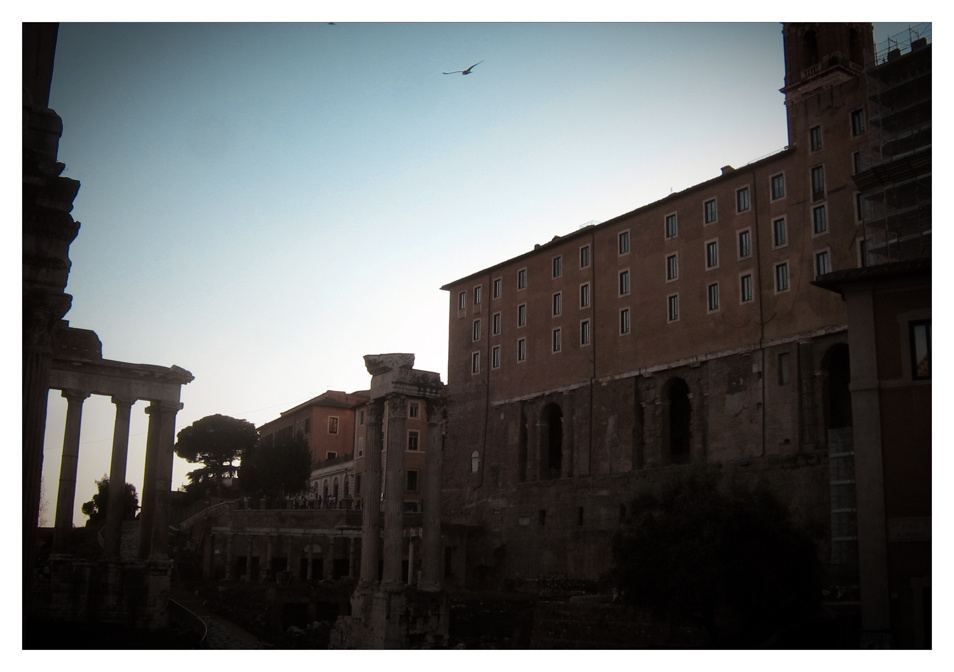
(397, 404)
(435, 410)
(163, 406)
(75, 395)
(123, 401)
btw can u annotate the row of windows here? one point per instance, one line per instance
(822, 265)
(746, 294)
(857, 121)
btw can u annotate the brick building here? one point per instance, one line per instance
(687, 331)
(327, 423)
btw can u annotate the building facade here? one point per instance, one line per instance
(327, 423)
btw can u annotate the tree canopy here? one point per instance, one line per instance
(274, 470)
(726, 558)
(216, 441)
(95, 509)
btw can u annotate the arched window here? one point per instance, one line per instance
(810, 43)
(522, 449)
(553, 445)
(837, 394)
(678, 422)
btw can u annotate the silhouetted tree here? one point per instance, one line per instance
(95, 509)
(274, 470)
(216, 441)
(727, 558)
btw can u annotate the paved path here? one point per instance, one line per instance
(223, 634)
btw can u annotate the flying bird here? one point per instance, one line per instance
(464, 72)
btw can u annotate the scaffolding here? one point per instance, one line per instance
(893, 172)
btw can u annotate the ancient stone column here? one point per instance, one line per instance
(67, 490)
(229, 556)
(163, 481)
(248, 559)
(328, 566)
(431, 558)
(311, 557)
(117, 478)
(147, 513)
(411, 544)
(267, 565)
(394, 487)
(352, 558)
(371, 514)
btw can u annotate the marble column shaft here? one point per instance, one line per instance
(67, 489)
(371, 494)
(431, 553)
(165, 442)
(395, 485)
(147, 514)
(117, 478)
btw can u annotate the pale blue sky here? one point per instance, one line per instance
(264, 204)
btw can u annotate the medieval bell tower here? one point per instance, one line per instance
(820, 57)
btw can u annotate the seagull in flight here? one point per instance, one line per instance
(464, 72)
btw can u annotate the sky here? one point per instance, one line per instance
(263, 204)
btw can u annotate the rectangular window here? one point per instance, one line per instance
(585, 295)
(784, 368)
(412, 480)
(815, 138)
(779, 233)
(624, 242)
(822, 263)
(858, 207)
(331, 454)
(672, 225)
(672, 267)
(920, 335)
(496, 324)
(414, 410)
(476, 331)
(623, 283)
(462, 301)
(742, 199)
(857, 122)
(746, 287)
(495, 357)
(584, 256)
(475, 362)
(585, 332)
(710, 213)
(413, 440)
(624, 321)
(713, 296)
(819, 219)
(745, 244)
(856, 163)
(712, 254)
(478, 291)
(673, 307)
(557, 266)
(521, 349)
(522, 278)
(522, 315)
(557, 304)
(498, 287)
(333, 425)
(818, 183)
(557, 340)
(781, 277)
(777, 183)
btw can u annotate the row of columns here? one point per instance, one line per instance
(390, 548)
(157, 480)
(328, 555)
